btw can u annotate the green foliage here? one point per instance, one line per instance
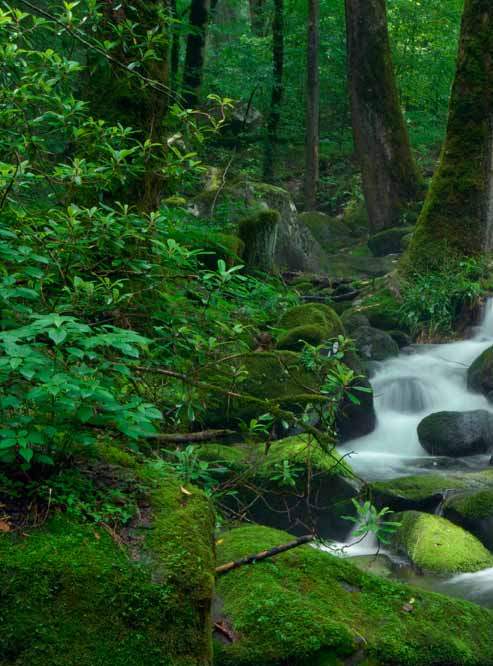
(432, 302)
(371, 521)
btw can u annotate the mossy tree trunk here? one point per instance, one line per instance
(457, 218)
(195, 54)
(390, 176)
(277, 89)
(312, 105)
(121, 97)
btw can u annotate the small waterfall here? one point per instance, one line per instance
(407, 389)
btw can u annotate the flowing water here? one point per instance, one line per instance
(427, 379)
(421, 381)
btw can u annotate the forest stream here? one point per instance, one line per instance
(422, 380)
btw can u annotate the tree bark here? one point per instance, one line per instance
(277, 89)
(390, 176)
(195, 53)
(312, 106)
(257, 19)
(457, 217)
(175, 46)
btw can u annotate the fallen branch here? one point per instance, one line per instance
(182, 437)
(252, 559)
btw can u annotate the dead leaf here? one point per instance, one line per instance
(4, 526)
(219, 542)
(408, 608)
(185, 491)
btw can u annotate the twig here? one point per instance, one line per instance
(181, 437)
(155, 85)
(258, 557)
(11, 182)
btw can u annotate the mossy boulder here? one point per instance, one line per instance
(474, 512)
(312, 313)
(389, 241)
(269, 379)
(308, 607)
(259, 235)
(296, 247)
(382, 309)
(215, 246)
(71, 595)
(423, 492)
(296, 338)
(352, 319)
(435, 545)
(480, 374)
(332, 233)
(374, 344)
(294, 484)
(457, 434)
(312, 323)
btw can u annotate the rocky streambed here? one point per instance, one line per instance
(428, 459)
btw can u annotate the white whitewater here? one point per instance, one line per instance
(407, 389)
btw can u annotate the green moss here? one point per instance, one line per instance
(382, 310)
(308, 607)
(332, 234)
(303, 449)
(436, 545)
(388, 241)
(270, 378)
(474, 505)
(453, 219)
(312, 313)
(295, 338)
(71, 595)
(259, 235)
(417, 488)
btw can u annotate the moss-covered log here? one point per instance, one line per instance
(457, 217)
(390, 177)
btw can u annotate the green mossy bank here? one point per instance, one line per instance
(71, 595)
(308, 607)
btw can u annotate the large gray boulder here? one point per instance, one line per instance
(296, 248)
(457, 434)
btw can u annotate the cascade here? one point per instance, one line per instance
(428, 379)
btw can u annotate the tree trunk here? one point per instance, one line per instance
(390, 177)
(195, 54)
(120, 97)
(257, 18)
(175, 46)
(277, 89)
(457, 217)
(313, 106)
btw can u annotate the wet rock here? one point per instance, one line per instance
(480, 374)
(457, 434)
(474, 512)
(375, 345)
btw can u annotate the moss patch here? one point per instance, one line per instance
(308, 607)
(436, 545)
(423, 491)
(72, 596)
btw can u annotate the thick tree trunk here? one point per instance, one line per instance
(390, 177)
(313, 106)
(457, 217)
(195, 54)
(257, 18)
(277, 89)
